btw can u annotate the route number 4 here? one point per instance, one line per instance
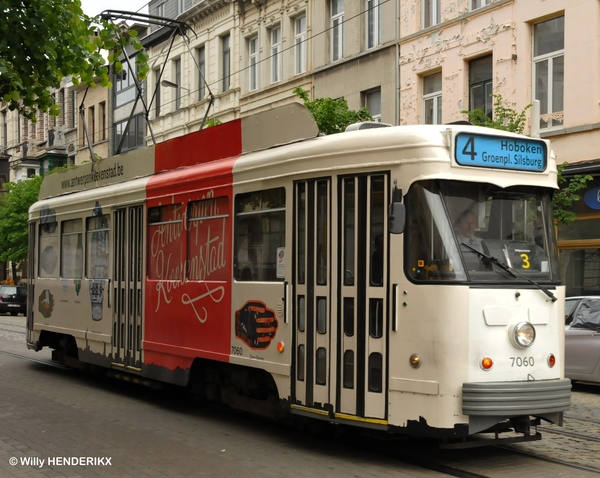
(469, 148)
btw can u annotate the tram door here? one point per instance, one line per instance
(127, 288)
(341, 295)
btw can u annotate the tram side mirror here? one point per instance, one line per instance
(397, 217)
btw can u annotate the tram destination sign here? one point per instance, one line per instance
(483, 151)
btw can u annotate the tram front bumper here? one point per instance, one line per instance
(488, 403)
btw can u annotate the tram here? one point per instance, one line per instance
(271, 268)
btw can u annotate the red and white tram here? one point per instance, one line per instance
(324, 274)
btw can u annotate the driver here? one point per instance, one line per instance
(466, 225)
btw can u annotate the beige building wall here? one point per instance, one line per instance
(95, 108)
(505, 30)
(210, 21)
(361, 69)
(267, 79)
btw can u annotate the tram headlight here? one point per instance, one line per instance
(523, 334)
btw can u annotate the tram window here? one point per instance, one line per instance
(97, 244)
(48, 245)
(323, 232)
(300, 365)
(301, 313)
(301, 199)
(321, 366)
(349, 316)
(376, 318)
(164, 238)
(349, 209)
(259, 232)
(71, 253)
(322, 315)
(375, 372)
(207, 239)
(349, 369)
(377, 217)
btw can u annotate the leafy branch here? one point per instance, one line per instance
(332, 116)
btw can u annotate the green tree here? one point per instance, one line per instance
(507, 119)
(43, 41)
(332, 116)
(14, 213)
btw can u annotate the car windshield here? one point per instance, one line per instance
(587, 315)
(452, 224)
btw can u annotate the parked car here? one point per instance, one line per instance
(13, 299)
(582, 338)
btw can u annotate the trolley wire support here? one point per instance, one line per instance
(169, 28)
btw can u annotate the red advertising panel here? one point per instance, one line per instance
(188, 291)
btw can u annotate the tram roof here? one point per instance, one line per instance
(255, 140)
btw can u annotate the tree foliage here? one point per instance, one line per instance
(503, 117)
(508, 119)
(332, 116)
(14, 213)
(43, 41)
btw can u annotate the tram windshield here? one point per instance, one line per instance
(452, 225)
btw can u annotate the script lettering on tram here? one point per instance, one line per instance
(520, 154)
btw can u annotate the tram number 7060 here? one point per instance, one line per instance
(522, 361)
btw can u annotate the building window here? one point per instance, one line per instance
(226, 59)
(275, 54)
(475, 4)
(373, 23)
(102, 118)
(431, 13)
(201, 73)
(30, 172)
(253, 63)
(160, 10)
(177, 78)
(432, 99)
(549, 70)
(373, 103)
(92, 123)
(71, 123)
(300, 45)
(337, 29)
(480, 84)
(180, 7)
(4, 132)
(124, 86)
(156, 93)
(134, 136)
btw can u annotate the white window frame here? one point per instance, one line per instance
(226, 61)
(436, 98)
(337, 31)
(160, 10)
(180, 7)
(202, 80)
(550, 115)
(300, 44)
(373, 19)
(368, 104)
(435, 12)
(275, 34)
(253, 63)
(476, 4)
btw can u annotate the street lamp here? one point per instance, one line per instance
(170, 84)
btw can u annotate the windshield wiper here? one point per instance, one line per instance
(511, 271)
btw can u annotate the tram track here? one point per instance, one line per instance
(31, 359)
